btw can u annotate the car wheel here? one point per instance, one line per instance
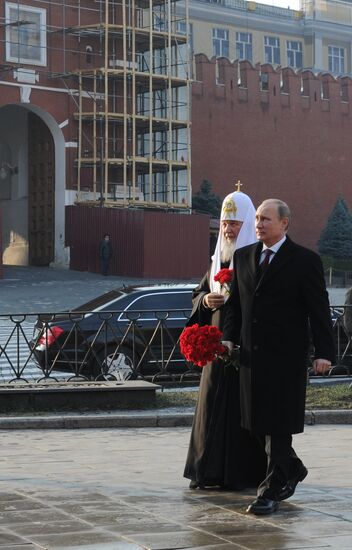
(116, 365)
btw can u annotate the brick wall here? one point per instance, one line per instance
(291, 140)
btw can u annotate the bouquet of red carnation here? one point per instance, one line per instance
(224, 276)
(201, 344)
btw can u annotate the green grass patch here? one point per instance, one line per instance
(329, 397)
(318, 397)
(176, 399)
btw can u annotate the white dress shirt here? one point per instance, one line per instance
(274, 249)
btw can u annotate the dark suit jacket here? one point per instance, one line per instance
(270, 318)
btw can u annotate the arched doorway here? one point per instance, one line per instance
(33, 200)
(41, 192)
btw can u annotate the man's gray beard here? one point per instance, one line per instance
(227, 250)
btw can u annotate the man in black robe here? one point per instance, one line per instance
(221, 453)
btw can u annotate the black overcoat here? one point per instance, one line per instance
(269, 316)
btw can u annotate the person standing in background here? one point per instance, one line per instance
(105, 253)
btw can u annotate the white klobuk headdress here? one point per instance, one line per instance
(236, 206)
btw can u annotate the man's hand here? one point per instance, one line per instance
(229, 345)
(213, 300)
(321, 366)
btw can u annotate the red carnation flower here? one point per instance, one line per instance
(201, 344)
(224, 276)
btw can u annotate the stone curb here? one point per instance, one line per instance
(141, 420)
(328, 417)
(99, 420)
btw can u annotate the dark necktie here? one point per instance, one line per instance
(265, 262)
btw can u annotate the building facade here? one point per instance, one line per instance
(94, 110)
(317, 37)
(283, 132)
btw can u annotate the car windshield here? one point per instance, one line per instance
(163, 300)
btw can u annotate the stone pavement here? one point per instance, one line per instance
(122, 489)
(49, 290)
(44, 289)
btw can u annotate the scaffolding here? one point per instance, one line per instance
(133, 105)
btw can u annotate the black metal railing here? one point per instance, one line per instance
(116, 345)
(113, 345)
(338, 278)
(342, 325)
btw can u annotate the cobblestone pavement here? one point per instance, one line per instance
(44, 289)
(122, 489)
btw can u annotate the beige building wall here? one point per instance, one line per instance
(308, 55)
(203, 37)
(203, 40)
(317, 25)
(325, 10)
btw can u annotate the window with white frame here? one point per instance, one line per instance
(181, 27)
(336, 59)
(25, 34)
(221, 42)
(294, 54)
(244, 45)
(272, 49)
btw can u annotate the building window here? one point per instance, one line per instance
(244, 45)
(190, 38)
(336, 59)
(294, 54)
(160, 24)
(159, 61)
(221, 42)
(181, 28)
(25, 34)
(272, 49)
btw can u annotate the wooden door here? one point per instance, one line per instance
(41, 192)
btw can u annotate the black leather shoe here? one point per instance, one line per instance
(290, 487)
(262, 506)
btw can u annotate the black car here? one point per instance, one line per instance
(125, 333)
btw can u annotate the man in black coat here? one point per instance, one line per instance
(105, 253)
(278, 300)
